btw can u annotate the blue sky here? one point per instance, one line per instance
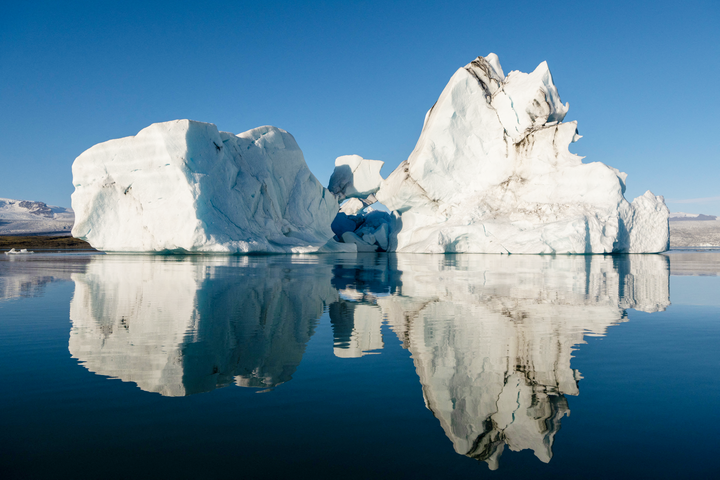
(356, 77)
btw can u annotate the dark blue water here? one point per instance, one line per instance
(407, 366)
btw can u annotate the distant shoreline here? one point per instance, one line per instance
(44, 242)
(699, 218)
(684, 234)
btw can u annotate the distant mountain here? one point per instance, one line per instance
(680, 217)
(23, 217)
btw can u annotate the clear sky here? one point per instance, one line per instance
(642, 79)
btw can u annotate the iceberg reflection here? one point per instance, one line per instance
(491, 336)
(29, 275)
(183, 326)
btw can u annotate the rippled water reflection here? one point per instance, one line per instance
(492, 338)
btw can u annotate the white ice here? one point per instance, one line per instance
(491, 173)
(355, 176)
(184, 186)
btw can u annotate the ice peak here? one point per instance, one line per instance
(494, 62)
(491, 172)
(486, 74)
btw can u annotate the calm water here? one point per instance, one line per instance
(406, 366)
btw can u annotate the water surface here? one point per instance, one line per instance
(405, 366)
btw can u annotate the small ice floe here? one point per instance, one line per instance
(22, 251)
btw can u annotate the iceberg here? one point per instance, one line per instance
(491, 173)
(22, 251)
(184, 186)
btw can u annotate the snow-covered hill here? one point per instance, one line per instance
(22, 217)
(681, 216)
(695, 233)
(694, 230)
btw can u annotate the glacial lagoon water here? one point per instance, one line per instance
(360, 366)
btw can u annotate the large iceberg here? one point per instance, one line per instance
(491, 173)
(184, 186)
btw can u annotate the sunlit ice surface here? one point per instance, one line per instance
(419, 366)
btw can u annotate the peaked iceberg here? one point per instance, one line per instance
(184, 186)
(491, 173)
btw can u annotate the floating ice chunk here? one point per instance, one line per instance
(355, 176)
(372, 226)
(22, 251)
(184, 186)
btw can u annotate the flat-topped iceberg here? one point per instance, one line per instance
(491, 173)
(184, 186)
